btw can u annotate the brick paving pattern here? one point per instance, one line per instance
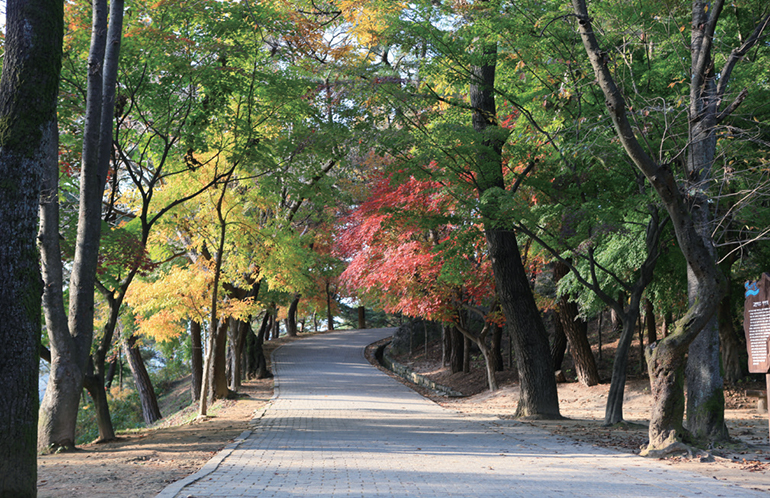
(339, 427)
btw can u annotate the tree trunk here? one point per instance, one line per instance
(275, 325)
(329, 316)
(446, 345)
(28, 151)
(196, 366)
(730, 342)
(538, 395)
(111, 369)
(613, 411)
(237, 336)
(458, 350)
(361, 317)
(94, 384)
(218, 381)
(688, 217)
(149, 401)
(558, 343)
(576, 331)
(649, 319)
(291, 318)
(466, 355)
(497, 348)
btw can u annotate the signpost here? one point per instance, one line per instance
(756, 326)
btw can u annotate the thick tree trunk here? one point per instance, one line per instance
(466, 355)
(576, 330)
(538, 398)
(361, 317)
(275, 325)
(28, 150)
(237, 337)
(457, 352)
(149, 402)
(291, 318)
(538, 395)
(196, 366)
(689, 218)
(558, 343)
(649, 319)
(730, 342)
(218, 381)
(497, 348)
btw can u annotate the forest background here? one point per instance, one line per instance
(223, 171)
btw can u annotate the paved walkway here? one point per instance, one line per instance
(339, 427)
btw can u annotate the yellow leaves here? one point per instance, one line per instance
(681, 29)
(369, 19)
(519, 66)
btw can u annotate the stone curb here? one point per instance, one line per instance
(176, 487)
(404, 372)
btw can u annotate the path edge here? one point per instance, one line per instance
(176, 487)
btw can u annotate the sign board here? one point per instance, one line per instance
(756, 324)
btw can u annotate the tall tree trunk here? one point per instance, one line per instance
(291, 317)
(28, 151)
(97, 143)
(576, 331)
(218, 382)
(730, 342)
(649, 319)
(458, 350)
(466, 355)
(329, 316)
(689, 217)
(255, 355)
(149, 402)
(538, 395)
(237, 337)
(196, 366)
(275, 325)
(446, 345)
(497, 348)
(558, 343)
(361, 317)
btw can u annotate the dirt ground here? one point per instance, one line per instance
(144, 462)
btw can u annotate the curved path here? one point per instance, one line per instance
(340, 427)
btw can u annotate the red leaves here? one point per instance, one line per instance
(398, 248)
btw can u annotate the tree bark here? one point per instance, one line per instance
(558, 343)
(538, 395)
(361, 317)
(730, 342)
(649, 319)
(457, 350)
(291, 318)
(497, 348)
(150, 409)
(196, 366)
(28, 151)
(329, 316)
(576, 331)
(688, 216)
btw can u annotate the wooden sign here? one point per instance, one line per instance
(756, 324)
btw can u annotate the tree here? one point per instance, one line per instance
(28, 143)
(71, 334)
(686, 201)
